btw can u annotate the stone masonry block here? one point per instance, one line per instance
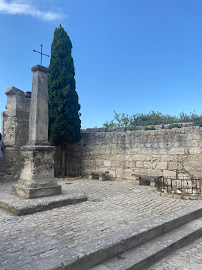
(174, 166)
(162, 165)
(140, 164)
(169, 173)
(98, 162)
(107, 163)
(195, 151)
(160, 152)
(176, 151)
(148, 165)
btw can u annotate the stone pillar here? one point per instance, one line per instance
(38, 118)
(15, 122)
(37, 176)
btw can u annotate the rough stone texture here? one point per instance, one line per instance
(38, 119)
(163, 152)
(186, 258)
(32, 193)
(19, 206)
(46, 240)
(2, 169)
(144, 255)
(38, 170)
(121, 151)
(14, 131)
(37, 175)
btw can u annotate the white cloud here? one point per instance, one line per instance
(27, 8)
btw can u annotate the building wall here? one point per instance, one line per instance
(14, 132)
(158, 152)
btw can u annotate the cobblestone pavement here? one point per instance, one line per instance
(49, 233)
(186, 258)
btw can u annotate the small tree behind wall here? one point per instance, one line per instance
(64, 116)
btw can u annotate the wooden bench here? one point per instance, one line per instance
(97, 173)
(144, 179)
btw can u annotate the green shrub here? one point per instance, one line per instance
(150, 128)
(173, 126)
(152, 118)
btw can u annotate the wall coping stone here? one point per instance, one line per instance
(139, 129)
(12, 90)
(40, 68)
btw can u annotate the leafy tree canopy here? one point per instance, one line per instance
(152, 118)
(64, 116)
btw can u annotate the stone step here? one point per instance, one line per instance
(145, 255)
(20, 207)
(98, 251)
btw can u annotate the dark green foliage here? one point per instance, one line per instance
(150, 128)
(64, 121)
(152, 118)
(173, 126)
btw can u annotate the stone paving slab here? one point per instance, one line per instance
(20, 206)
(186, 258)
(43, 240)
(140, 257)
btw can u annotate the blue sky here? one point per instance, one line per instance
(131, 56)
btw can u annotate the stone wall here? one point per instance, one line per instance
(161, 152)
(14, 131)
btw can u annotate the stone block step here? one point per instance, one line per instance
(98, 251)
(21, 207)
(143, 256)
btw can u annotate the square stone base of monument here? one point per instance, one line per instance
(33, 193)
(20, 206)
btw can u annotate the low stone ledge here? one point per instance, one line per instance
(32, 193)
(188, 125)
(20, 207)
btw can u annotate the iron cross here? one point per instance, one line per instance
(41, 53)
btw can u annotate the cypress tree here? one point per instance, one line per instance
(64, 116)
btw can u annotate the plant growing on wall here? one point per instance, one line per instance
(150, 128)
(64, 116)
(174, 126)
(152, 118)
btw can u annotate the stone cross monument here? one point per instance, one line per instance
(37, 176)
